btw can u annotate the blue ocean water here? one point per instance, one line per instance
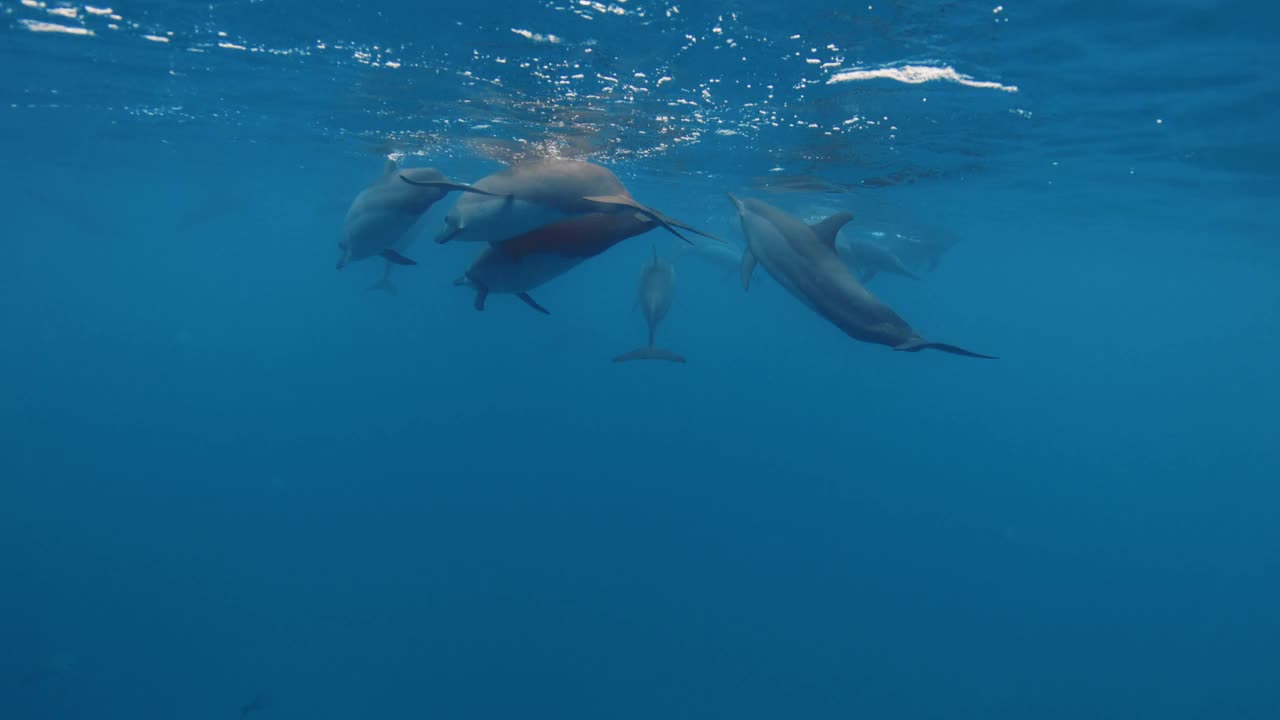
(235, 483)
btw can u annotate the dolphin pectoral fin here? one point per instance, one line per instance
(624, 201)
(918, 344)
(650, 353)
(748, 266)
(481, 293)
(397, 258)
(532, 303)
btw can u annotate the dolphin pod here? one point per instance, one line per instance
(542, 218)
(803, 259)
(657, 290)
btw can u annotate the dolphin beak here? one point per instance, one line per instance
(736, 202)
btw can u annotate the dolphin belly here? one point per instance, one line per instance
(370, 232)
(495, 220)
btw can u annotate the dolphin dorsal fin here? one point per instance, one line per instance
(826, 230)
(391, 168)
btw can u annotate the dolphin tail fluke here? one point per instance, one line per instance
(386, 286)
(918, 344)
(385, 283)
(482, 293)
(650, 353)
(397, 258)
(624, 201)
(532, 303)
(690, 228)
(449, 185)
(748, 266)
(670, 224)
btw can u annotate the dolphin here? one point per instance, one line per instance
(804, 260)
(384, 212)
(657, 290)
(534, 193)
(527, 261)
(921, 250)
(494, 271)
(727, 256)
(867, 260)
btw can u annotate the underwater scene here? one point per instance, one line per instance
(635, 359)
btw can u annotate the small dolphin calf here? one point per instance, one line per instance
(657, 290)
(921, 249)
(868, 260)
(724, 255)
(535, 193)
(381, 214)
(803, 259)
(527, 261)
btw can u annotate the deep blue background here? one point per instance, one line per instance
(227, 470)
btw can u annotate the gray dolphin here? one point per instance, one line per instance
(534, 193)
(867, 260)
(495, 271)
(724, 255)
(384, 212)
(657, 290)
(803, 259)
(923, 249)
(534, 258)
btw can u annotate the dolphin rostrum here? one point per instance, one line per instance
(867, 260)
(804, 260)
(384, 212)
(527, 261)
(657, 290)
(534, 193)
